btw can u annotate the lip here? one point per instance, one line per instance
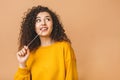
(43, 28)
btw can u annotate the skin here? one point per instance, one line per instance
(43, 27)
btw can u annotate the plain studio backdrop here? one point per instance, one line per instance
(92, 25)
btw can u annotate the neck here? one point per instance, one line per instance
(46, 41)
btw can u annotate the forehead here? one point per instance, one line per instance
(43, 14)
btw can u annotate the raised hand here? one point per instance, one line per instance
(22, 56)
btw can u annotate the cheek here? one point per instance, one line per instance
(36, 25)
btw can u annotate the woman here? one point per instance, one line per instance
(50, 56)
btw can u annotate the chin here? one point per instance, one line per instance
(45, 35)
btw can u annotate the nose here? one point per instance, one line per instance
(43, 22)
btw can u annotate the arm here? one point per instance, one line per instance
(23, 72)
(70, 63)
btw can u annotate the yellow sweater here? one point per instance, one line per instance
(54, 62)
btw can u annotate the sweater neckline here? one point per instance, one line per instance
(49, 45)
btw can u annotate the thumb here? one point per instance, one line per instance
(27, 50)
(26, 47)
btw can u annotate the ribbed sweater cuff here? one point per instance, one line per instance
(23, 71)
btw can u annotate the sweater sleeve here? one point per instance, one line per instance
(70, 63)
(22, 74)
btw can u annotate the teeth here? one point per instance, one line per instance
(44, 28)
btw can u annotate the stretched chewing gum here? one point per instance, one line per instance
(33, 39)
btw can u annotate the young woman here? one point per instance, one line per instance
(50, 55)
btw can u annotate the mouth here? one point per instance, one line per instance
(44, 28)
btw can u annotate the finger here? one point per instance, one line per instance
(28, 52)
(23, 50)
(26, 47)
(19, 54)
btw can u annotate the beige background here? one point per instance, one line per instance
(92, 25)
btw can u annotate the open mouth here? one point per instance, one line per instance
(44, 28)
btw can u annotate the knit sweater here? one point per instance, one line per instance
(54, 62)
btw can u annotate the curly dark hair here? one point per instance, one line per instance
(27, 31)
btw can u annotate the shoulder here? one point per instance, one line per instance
(64, 44)
(68, 51)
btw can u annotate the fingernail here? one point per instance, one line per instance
(26, 47)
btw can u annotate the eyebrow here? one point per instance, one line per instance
(40, 17)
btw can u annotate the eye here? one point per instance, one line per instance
(38, 20)
(48, 19)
